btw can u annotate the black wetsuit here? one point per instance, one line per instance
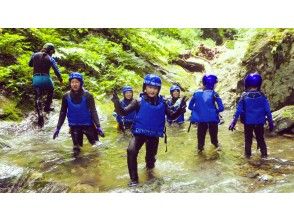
(41, 63)
(137, 141)
(126, 124)
(78, 131)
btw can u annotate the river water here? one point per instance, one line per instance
(31, 161)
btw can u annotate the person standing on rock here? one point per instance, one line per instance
(174, 104)
(148, 125)
(79, 107)
(42, 62)
(125, 122)
(206, 106)
(253, 109)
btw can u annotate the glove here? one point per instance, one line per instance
(183, 104)
(271, 126)
(114, 96)
(55, 135)
(57, 59)
(100, 132)
(232, 125)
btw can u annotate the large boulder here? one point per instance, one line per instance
(284, 119)
(271, 53)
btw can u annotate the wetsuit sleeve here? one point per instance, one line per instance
(92, 108)
(219, 102)
(173, 114)
(31, 61)
(268, 111)
(63, 111)
(134, 105)
(55, 68)
(239, 109)
(114, 113)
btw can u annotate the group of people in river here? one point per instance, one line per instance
(147, 115)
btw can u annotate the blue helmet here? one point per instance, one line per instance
(253, 80)
(173, 88)
(126, 89)
(76, 75)
(209, 80)
(152, 80)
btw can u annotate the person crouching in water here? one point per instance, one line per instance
(206, 106)
(254, 108)
(174, 104)
(79, 107)
(125, 122)
(148, 125)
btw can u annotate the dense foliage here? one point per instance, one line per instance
(108, 58)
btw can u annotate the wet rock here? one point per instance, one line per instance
(288, 135)
(3, 144)
(8, 174)
(252, 175)
(265, 178)
(185, 55)
(271, 53)
(16, 179)
(2, 114)
(190, 66)
(284, 119)
(212, 33)
(8, 109)
(84, 188)
(206, 52)
(51, 187)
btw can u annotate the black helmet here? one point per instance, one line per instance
(48, 47)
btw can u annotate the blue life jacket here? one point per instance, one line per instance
(150, 119)
(78, 114)
(174, 107)
(255, 107)
(129, 118)
(203, 106)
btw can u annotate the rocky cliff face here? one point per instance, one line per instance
(273, 57)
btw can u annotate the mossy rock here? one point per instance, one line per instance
(8, 110)
(284, 119)
(271, 53)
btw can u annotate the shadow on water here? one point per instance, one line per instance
(32, 162)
